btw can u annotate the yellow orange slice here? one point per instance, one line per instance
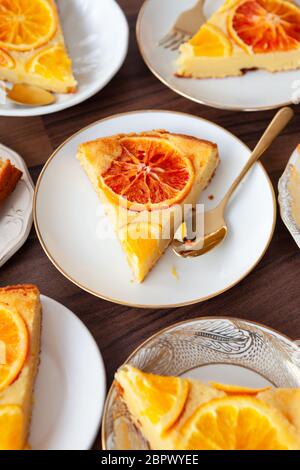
(237, 390)
(140, 240)
(6, 60)
(237, 423)
(148, 175)
(210, 41)
(26, 24)
(51, 63)
(265, 25)
(11, 425)
(14, 337)
(160, 399)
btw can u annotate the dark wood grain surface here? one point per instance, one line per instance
(270, 294)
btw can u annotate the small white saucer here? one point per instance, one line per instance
(71, 383)
(16, 211)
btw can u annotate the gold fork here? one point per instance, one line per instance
(187, 24)
(215, 227)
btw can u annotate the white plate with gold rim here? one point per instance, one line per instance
(69, 220)
(71, 383)
(96, 34)
(254, 91)
(289, 195)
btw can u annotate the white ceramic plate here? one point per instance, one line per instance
(256, 90)
(71, 383)
(286, 197)
(69, 220)
(16, 211)
(96, 34)
(224, 350)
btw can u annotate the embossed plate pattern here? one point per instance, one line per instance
(16, 212)
(289, 198)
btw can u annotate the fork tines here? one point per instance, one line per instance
(174, 39)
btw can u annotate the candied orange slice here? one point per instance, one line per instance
(265, 25)
(14, 339)
(26, 24)
(6, 60)
(237, 423)
(160, 399)
(237, 390)
(51, 63)
(148, 175)
(140, 240)
(210, 41)
(11, 425)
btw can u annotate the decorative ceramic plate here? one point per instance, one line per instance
(289, 195)
(257, 90)
(96, 34)
(75, 235)
(216, 349)
(71, 384)
(16, 211)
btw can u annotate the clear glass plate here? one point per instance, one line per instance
(219, 349)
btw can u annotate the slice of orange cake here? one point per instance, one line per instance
(20, 327)
(143, 181)
(183, 414)
(32, 46)
(9, 177)
(243, 35)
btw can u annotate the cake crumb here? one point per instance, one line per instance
(211, 197)
(175, 273)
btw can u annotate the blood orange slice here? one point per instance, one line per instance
(148, 175)
(262, 26)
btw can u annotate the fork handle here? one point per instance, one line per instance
(278, 123)
(194, 19)
(198, 4)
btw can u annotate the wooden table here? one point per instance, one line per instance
(270, 294)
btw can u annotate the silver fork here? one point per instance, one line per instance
(187, 24)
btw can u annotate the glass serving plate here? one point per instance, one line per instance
(209, 349)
